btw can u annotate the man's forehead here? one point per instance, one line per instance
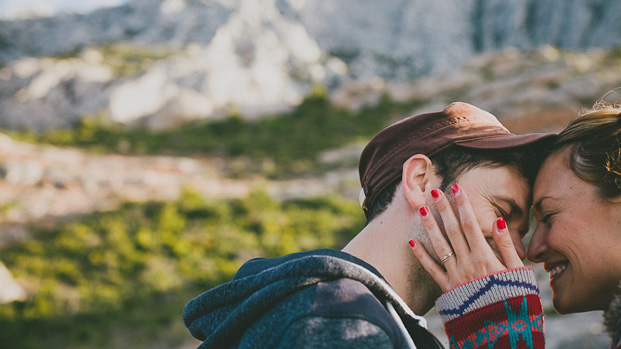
(499, 178)
(501, 184)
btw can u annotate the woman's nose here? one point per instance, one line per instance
(537, 246)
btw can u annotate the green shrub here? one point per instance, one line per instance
(102, 272)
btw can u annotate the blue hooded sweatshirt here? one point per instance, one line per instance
(315, 299)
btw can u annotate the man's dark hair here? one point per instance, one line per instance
(454, 161)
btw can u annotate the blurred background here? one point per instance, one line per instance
(149, 147)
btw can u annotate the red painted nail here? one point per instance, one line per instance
(454, 188)
(435, 193)
(412, 243)
(501, 224)
(424, 211)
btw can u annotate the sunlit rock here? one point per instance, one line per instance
(10, 291)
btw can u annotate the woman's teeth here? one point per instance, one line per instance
(557, 270)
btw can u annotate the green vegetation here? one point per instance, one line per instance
(276, 147)
(121, 278)
(128, 60)
(124, 59)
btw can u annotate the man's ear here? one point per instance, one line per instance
(417, 172)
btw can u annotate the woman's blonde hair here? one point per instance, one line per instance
(594, 142)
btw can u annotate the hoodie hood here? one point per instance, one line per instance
(218, 316)
(612, 320)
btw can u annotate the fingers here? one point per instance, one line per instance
(430, 266)
(438, 241)
(473, 257)
(452, 227)
(469, 222)
(502, 238)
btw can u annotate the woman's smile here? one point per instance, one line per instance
(575, 229)
(556, 272)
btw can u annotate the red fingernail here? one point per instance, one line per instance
(501, 224)
(454, 188)
(435, 193)
(412, 243)
(423, 210)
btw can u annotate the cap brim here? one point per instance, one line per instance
(509, 141)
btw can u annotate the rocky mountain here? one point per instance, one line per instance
(158, 63)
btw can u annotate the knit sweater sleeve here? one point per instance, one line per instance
(500, 310)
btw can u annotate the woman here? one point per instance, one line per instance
(577, 203)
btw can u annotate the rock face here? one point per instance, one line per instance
(10, 291)
(241, 60)
(257, 57)
(415, 36)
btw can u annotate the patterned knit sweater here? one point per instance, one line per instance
(500, 310)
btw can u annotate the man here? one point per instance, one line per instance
(367, 295)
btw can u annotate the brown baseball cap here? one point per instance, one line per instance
(459, 124)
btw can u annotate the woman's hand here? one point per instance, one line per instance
(471, 256)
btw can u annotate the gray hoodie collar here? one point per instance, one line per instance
(612, 320)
